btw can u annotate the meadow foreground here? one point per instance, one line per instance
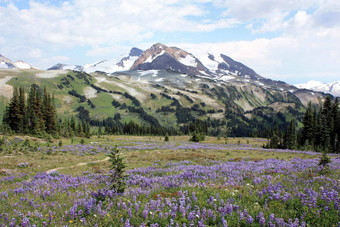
(176, 183)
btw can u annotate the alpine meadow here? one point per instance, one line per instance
(199, 131)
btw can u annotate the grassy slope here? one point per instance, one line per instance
(245, 97)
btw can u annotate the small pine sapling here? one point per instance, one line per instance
(117, 168)
(324, 161)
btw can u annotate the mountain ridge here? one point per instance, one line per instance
(171, 88)
(330, 88)
(6, 63)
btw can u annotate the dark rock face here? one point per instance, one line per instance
(135, 52)
(167, 62)
(10, 65)
(238, 68)
(58, 66)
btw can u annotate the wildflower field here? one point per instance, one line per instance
(175, 183)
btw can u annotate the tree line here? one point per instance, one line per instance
(34, 114)
(320, 131)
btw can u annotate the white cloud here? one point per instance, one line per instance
(289, 58)
(306, 40)
(83, 23)
(97, 22)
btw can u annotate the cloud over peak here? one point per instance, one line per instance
(289, 35)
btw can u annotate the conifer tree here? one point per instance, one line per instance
(34, 115)
(336, 129)
(12, 116)
(291, 135)
(308, 129)
(327, 123)
(22, 110)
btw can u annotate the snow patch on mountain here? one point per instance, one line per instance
(209, 61)
(330, 88)
(22, 65)
(3, 65)
(227, 78)
(6, 63)
(112, 66)
(65, 67)
(188, 60)
(154, 73)
(151, 58)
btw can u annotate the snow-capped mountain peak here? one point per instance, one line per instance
(330, 88)
(23, 65)
(6, 63)
(111, 66)
(61, 66)
(162, 57)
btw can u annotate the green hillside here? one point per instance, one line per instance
(165, 99)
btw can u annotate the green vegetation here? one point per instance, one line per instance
(117, 168)
(235, 184)
(95, 101)
(320, 132)
(36, 115)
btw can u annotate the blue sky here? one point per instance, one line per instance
(293, 41)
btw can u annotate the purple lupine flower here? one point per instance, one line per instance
(25, 222)
(129, 212)
(145, 214)
(136, 207)
(127, 223)
(224, 222)
(262, 221)
(210, 213)
(194, 198)
(191, 216)
(250, 219)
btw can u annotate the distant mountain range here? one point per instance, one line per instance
(168, 87)
(161, 57)
(331, 88)
(218, 67)
(6, 63)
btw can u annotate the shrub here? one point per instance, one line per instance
(324, 160)
(197, 137)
